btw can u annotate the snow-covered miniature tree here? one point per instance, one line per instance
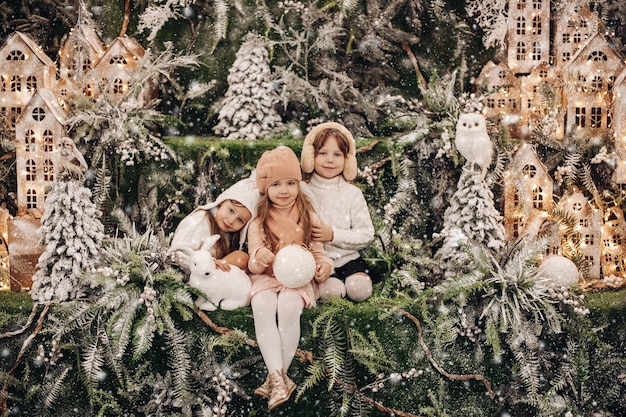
(247, 110)
(470, 219)
(71, 231)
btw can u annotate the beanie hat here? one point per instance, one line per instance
(308, 151)
(275, 165)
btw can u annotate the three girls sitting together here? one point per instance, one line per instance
(276, 207)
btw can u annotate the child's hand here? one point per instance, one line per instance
(322, 232)
(264, 256)
(222, 264)
(322, 272)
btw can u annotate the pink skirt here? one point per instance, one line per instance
(264, 282)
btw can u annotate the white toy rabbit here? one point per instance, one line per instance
(227, 290)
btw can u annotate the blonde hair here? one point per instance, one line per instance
(305, 209)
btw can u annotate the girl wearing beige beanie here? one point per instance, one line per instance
(329, 155)
(285, 216)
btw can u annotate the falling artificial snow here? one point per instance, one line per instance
(248, 107)
(470, 219)
(71, 234)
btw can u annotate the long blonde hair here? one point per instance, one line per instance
(305, 209)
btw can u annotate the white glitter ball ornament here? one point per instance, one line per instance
(559, 270)
(294, 266)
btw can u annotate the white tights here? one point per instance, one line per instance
(277, 326)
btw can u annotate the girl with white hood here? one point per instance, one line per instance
(228, 216)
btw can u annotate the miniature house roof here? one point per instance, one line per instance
(47, 98)
(122, 45)
(524, 155)
(597, 54)
(17, 38)
(495, 75)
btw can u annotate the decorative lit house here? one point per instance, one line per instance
(574, 27)
(613, 247)
(41, 124)
(589, 230)
(592, 73)
(527, 191)
(540, 95)
(116, 66)
(528, 34)
(619, 126)
(80, 50)
(24, 68)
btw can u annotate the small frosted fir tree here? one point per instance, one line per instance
(71, 231)
(247, 110)
(470, 219)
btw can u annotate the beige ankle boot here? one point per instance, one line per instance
(278, 391)
(264, 389)
(289, 384)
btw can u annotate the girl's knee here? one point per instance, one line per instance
(359, 287)
(331, 288)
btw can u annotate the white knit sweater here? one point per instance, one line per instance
(342, 206)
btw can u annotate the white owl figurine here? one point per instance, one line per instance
(68, 159)
(472, 140)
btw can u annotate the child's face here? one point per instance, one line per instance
(230, 217)
(283, 193)
(329, 161)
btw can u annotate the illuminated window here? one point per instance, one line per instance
(616, 240)
(596, 83)
(567, 38)
(48, 170)
(537, 198)
(577, 37)
(502, 74)
(48, 141)
(566, 56)
(16, 83)
(31, 170)
(521, 4)
(536, 51)
(31, 84)
(589, 239)
(2, 84)
(512, 103)
(577, 206)
(117, 59)
(86, 65)
(521, 51)
(31, 199)
(501, 102)
(543, 73)
(597, 56)
(39, 114)
(537, 4)
(596, 117)
(529, 171)
(583, 222)
(537, 25)
(491, 103)
(118, 86)
(16, 56)
(580, 118)
(521, 25)
(29, 141)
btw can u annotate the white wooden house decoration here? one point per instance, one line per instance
(80, 51)
(503, 91)
(24, 68)
(619, 126)
(527, 191)
(40, 125)
(591, 73)
(573, 29)
(538, 91)
(613, 243)
(115, 67)
(528, 34)
(589, 227)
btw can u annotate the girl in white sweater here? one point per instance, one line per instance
(329, 156)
